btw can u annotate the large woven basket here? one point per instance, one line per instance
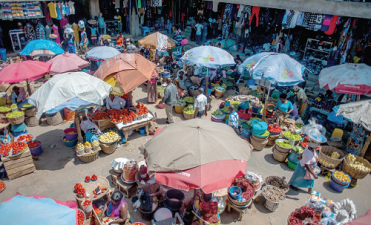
(88, 157)
(353, 172)
(30, 112)
(16, 120)
(279, 156)
(54, 119)
(179, 109)
(272, 139)
(258, 143)
(271, 180)
(325, 160)
(149, 188)
(188, 116)
(32, 121)
(108, 148)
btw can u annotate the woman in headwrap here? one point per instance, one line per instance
(302, 99)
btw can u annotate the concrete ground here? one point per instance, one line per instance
(58, 169)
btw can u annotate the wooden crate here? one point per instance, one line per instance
(18, 167)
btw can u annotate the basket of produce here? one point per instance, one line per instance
(108, 142)
(357, 167)
(160, 105)
(70, 133)
(189, 100)
(246, 189)
(101, 118)
(35, 147)
(258, 143)
(278, 182)
(89, 157)
(81, 217)
(330, 157)
(256, 107)
(263, 135)
(304, 213)
(292, 137)
(219, 92)
(259, 127)
(257, 95)
(279, 156)
(217, 115)
(16, 117)
(225, 110)
(273, 196)
(69, 143)
(283, 145)
(341, 178)
(54, 119)
(272, 139)
(189, 112)
(5, 109)
(96, 145)
(179, 106)
(295, 153)
(337, 187)
(274, 129)
(244, 117)
(25, 138)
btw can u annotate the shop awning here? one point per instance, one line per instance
(341, 8)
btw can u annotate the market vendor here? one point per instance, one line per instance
(115, 102)
(304, 174)
(180, 81)
(207, 209)
(302, 98)
(116, 207)
(119, 40)
(200, 104)
(5, 136)
(282, 109)
(18, 95)
(91, 130)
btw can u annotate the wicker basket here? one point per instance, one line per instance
(272, 139)
(179, 109)
(258, 143)
(16, 120)
(323, 157)
(237, 203)
(355, 173)
(188, 116)
(244, 90)
(55, 119)
(30, 112)
(281, 149)
(149, 188)
(218, 94)
(278, 182)
(32, 121)
(279, 156)
(89, 157)
(108, 148)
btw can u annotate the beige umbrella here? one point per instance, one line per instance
(150, 41)
(193, 143)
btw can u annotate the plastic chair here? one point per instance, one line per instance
(176, 220)
(169, 27)
(145, 31)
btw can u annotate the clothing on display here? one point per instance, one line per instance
(40, 31)
(20, 10)
(58, 9)
(30, 32)
(255, 12)
(71, 7)
(75, 28)
(53, 10)
(48, 31)
(55, 31)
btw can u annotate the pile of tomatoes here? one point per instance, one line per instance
(87, 179)
(2, 185)
(86, 202)
(100, 116)
(5, 149)
(15, 147)
(25, 137)
(94, 177)
(80, 217)
(243, 115)
(117, 118)
(79, 189)
(34, 144)
(274, 128)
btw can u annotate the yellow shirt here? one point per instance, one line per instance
(119, 19)
(53, 10)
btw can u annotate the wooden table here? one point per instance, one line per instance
(16, 167)
(122, 186)
(240, 210)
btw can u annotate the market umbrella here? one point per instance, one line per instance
(60, 89)
(25, 70)
(153, 40)
(126, 71)
(193, 143)
(66, 62)
(101, 53)
(347, 78)
(45, 47)
(358, 112)
(208, 56)
(361, 220)
(277, 68)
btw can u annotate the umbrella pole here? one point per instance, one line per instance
(28, 87)
(77, 125)
(265, 102)
(207, 82)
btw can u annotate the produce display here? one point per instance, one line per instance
(335, 155)
(94, 177)
(222, 86)
(189, 99)
(160, 89)
(109, 137)
(87, 202)
(95, 143)
(15, 147)
(256, 94)
(217, 112)
(291, 136)
(80, 217)
(2, 185)
(15, 114)
(225, 109)
(304, 143)
(27, 105)
(34, 144)
(274, 128)
(181, 103)
(5, 108)
(117, 118)
(14, 106)
(220, 89)
(351, 158)
(298, 150)
(273, 193)
(5, 149)
(100, 116)
(87, 145)
(189, 110)
(87, 179)
(243, 115)
(80, 146)
(304, 213)
(25, 137)
(278, 182)
(265, 134)
(79, 189)
(357, 164)
(247, 189)
(284, 144)
(340, 175)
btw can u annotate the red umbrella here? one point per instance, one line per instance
(66, 62)
(25, 70)
(209, 177)
(361, 220)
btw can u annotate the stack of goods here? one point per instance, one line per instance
(244, 116)
(70, 137)
(79, 190)
(274, 133)
(273, 196)
(179, 106)
(86, 153)
(217, 115)
(293, 157)
(339, 181)
(292, 136)
(96, 145)
(188, 112)
(242, 192)
(219, 92)
(80, 217)
(260, 133)
(330, 157)
(15, 117)
(109, 141)
(142, 111)
(102, 119)
(277, 182)
(189, 100)
(281, 150)
(357, 167)
(100, 116)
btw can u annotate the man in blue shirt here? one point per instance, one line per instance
(282, 109)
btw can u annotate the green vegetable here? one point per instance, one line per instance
(256, 94)
(298, 149)
(217, 113)
(299, 125)
(284, 144)
(189, 99)
(160, 89)
(225, 109)
(235, 103)
(15, 114)
(181, 103)
(189, 110)
(5, 109)
(291, 136)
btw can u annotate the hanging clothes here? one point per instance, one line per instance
(326, 23)
(315, 21)
(300, 19)
(30, 32)
(71, 7)
(306, 19)
(55, 31)
(356, 141)
(255, 12)
(67, 8)
(46, 11)
(48, 31)
(294, 19)
(53, 10)
(64, 21)
(75, 28)
(332, 26)
(58, 9)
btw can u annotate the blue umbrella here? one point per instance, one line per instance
(42, 45)
(73, 104)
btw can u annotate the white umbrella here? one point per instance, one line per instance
(101, 53)
(60, 89)
(208, 56)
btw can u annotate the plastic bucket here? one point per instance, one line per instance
(142, 130)
(250, 82)
(36, 151)
(3, 54)
(337, 187)
(16, 134)
(233, 190)
(174, 198)
(291, 165)
(70, 143)
(70, 137)
(293, 157)
(255, 109)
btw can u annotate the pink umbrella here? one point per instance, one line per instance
(66, 62)
(25, 70)
(361, 220)
(209, 177)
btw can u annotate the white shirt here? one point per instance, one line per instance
(200, 103)
(308, 157)
(115, 104)
(87, 124)
(199, 29)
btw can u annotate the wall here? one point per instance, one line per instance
(341, 8)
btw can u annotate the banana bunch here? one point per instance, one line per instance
(341, 176)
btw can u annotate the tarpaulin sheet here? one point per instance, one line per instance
(31, 211)
(73, 104)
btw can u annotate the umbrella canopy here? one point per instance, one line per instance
(51, 46)
(208, 56)
(24, 70)
(129, 70)
(347, 78)
(278, 68)
(150, 41)
(66, 62)
(361, 220)
(193, 143)
(209, 177)
(59, 89)
(358, 112)
(73, 104)
(101, 53)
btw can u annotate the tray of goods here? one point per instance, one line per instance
(5, 109)
(274, 129)
(25, 138)
(100, 116)
(2, 186)
(277, 182)
(273, 193)
(282, 143)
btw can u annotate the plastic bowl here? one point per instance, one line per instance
(339, 182)
(160, 106)
(235, 189)
(70, 143)
(336, 187)
(37, 150)
(70, 137)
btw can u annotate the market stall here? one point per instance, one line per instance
(42, 48)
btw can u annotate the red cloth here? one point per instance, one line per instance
(255, 11)
(332, 27)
